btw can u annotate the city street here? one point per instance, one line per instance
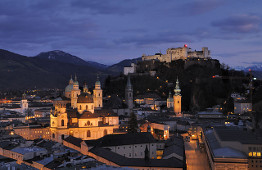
(196, 158)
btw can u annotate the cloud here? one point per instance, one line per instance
(104, 6)
(154, 39)
(239, 24)
(197, 7)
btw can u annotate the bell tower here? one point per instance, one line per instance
(177, 100)
(129, 93)
(74, 93)
(24, 103)
(98, 95)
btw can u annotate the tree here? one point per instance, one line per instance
(132, 124)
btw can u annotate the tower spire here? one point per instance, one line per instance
(128, 85)
(177, 88)
(75, 77)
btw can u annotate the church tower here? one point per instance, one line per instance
(24, 103)
(129, 93)
(98, 95)
(74, 93)
(177, 100)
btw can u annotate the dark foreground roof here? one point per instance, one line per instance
(136, 162)
(73, 140)
(123, 139)
(226, 133)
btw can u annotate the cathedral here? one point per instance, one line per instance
(81, 114)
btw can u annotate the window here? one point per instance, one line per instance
(86, 107)
(80, 107)
(62, 122)
(88, 123)
(88, 133)
(62, 137)
(53, 135)
(177, 101)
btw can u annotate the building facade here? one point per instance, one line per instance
(81, 115)
(179, 53)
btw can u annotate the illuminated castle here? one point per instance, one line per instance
(178, 53)
(81, 114)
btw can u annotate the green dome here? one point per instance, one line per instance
(76, 83)
(98, 83)
(69, 88)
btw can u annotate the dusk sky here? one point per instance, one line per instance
(110, 31)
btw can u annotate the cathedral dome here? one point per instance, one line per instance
(85, 98)
(69, 88)
(97, 83)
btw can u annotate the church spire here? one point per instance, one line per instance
(75, 78)
(177, 89)
(128, 85)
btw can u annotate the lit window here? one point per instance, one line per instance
(254, 154)
(259, 154)
(250, 154)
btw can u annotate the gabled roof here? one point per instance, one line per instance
(135, 162)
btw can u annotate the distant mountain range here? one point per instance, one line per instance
(255, 68)
(50, 70)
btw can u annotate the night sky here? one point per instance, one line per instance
(109, 31)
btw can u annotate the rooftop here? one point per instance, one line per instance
(123, 139)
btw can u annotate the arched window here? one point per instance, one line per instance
(62, 122)
(88, 123)
(105, 132)
(80, 107)
(86, 107)
(88, 133)
(53, 135)
(53, 123)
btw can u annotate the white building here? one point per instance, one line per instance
(130, 69)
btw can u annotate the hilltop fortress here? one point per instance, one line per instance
(178, 53)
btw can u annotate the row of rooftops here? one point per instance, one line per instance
(175, 144)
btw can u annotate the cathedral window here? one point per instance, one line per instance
(62, 122)
(88, 133)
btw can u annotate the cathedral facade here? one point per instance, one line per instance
(81, 114)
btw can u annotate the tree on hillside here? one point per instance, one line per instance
(132, 124)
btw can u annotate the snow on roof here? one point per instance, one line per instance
(227, 152)
(27, 150)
